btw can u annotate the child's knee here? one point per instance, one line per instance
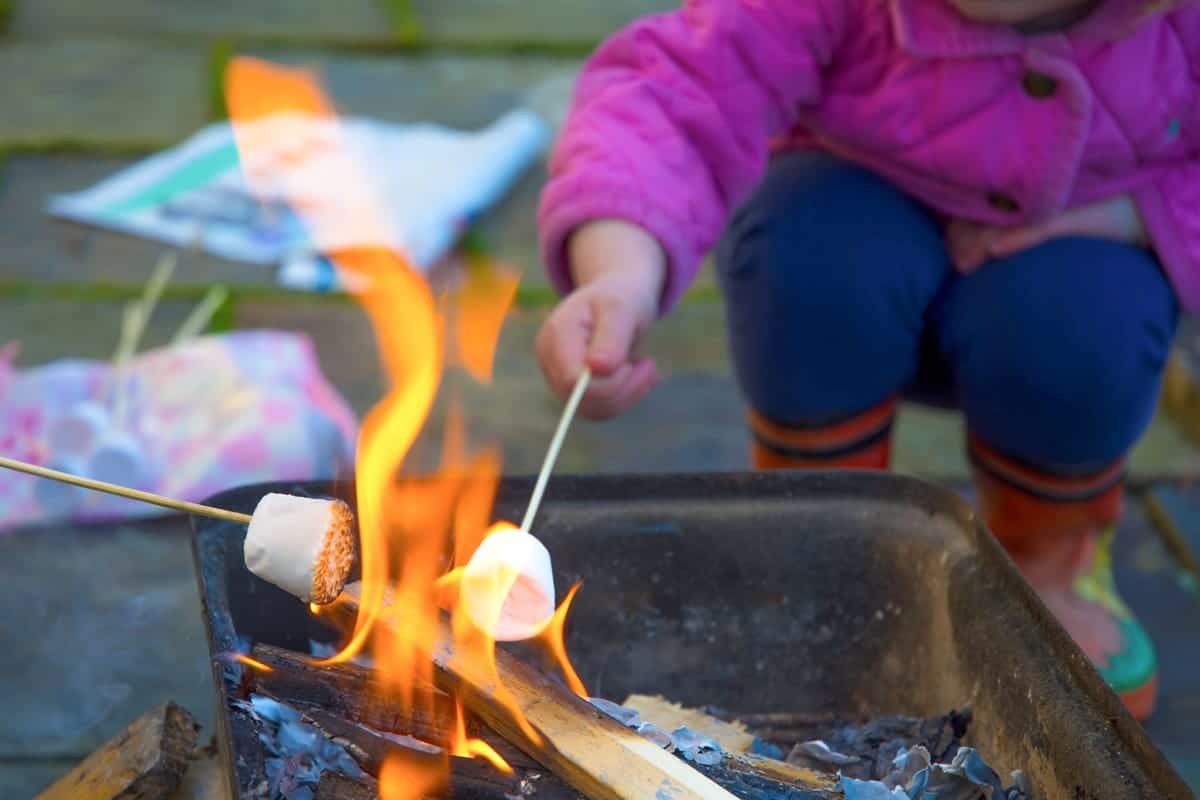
(832, 239)
(1060, 360)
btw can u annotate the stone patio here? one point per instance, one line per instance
(101, 623)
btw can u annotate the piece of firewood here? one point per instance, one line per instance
(205, 778)
(589, 750)
(351, 691)
(146, 761)
(336, 786)
(745, 774)
(751, 778)
(466, 778)
(732, 736)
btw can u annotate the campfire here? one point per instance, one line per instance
(367, 665)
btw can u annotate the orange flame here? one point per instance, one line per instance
(252, 663)
(402, 777)
(482, 304)
(465, 746)
(415, 535)
(554, 639)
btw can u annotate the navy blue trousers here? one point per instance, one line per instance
(841, 295)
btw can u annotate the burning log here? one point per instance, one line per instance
(146, 761)
(588, 749)
(354, 693)
(335, 786)
(467, 778)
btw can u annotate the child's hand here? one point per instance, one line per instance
(972, 244)
(619, 271)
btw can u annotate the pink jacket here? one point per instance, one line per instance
(674, 118)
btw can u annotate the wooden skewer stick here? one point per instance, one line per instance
(201, 315)
(133, 327)
(556, 443)
(125, 491)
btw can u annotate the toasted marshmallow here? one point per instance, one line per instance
(303, 545)
(508, 586)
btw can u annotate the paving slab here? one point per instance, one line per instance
(50, 329)
(101, 93)
(25, 779)
(99, 624)
(1150, 581)
(465, 91)
(349, 21)
(1181, 385)
(341, 335)
(545, 22)
(35, 247)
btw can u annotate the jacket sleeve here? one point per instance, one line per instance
(1170, 203)
(1170, 209)
(671, 122)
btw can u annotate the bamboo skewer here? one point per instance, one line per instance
(556, 443)
(133, 327)
(201, 315)
(124, 491)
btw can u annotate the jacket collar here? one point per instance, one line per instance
(933, 29)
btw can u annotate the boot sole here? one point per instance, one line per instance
(1141, 701)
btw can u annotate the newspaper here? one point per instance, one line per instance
(426, 183)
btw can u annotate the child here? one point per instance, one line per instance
(994, 200)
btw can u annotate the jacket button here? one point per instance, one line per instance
(1002, 202)
(1039, 85)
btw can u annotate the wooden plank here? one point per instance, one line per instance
(1150, 582)
(353, 692)
(146, 761)
(732, 736)
(335, 786)
(589, 750)
(466, 778)
(745, 774)
(1180, 395)
(205, 778)
(1176, 517)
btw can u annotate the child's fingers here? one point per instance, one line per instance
(964, 243)
(616, 394)
(614, 327)
(562, 346)
(643, 378)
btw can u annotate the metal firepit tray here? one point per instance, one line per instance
(843, 592)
